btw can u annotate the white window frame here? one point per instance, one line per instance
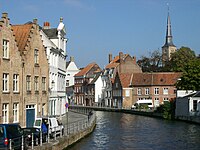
(15, 83)
(28, 83)
(156, 91)
(43, 83)
(5, 49)
(15, 112)
(165, 91)
(5, 82)
(166, 99)
(147, 91)
(5, 112)
(36, 56)
(36, 83)
(139, 91)
(127, 93)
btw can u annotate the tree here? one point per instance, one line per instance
(179, 59)
(150, 63)
(190, 79)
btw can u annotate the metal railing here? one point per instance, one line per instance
(69, 129)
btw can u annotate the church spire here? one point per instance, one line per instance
(168, 41)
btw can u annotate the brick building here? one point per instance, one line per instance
(35, 72)
(11, 103)
(81, 86)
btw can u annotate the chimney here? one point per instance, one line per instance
(35, 21)
(134, 59)
(109, 58)
(4, 15)
(120, 57)
(46, 25)
(71, 59)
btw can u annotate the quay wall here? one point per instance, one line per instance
(149, 113)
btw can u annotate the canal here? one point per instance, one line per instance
(120, 131)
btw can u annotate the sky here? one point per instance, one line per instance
(97, 28)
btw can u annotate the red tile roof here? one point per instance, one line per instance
(125, 79)
(115, 62)
(149, 79)
(22, 33)
(85, 70)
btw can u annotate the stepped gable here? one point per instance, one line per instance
(22, 33)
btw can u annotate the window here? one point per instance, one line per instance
(5, 113)
(36, 56)
(5, 49)
(139, 91)
(16, 83)
(165, 91)
(156, 91)
(5, 82)
(43, 83)
(116, 85)
(156, 102)
(147, 91)
(36, 83)
(194, 105)
(28, 83)
(16, 112)
(67, 82)
(127, 93)
(166, 99)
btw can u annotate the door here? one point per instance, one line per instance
(30, 117)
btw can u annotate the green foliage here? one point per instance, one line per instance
(180, 59)
(151, 63)
(190, 79)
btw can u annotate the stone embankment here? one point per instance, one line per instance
(149, 113)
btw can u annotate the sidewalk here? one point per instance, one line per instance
(73, 117)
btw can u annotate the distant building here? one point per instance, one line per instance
(71, 70)
(123, 63)
(55, 42)
(169, 46)
(158, 87)
(35, 71)
(82, 79)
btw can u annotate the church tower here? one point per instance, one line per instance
(168, 47)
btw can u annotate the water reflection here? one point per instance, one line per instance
(119, 131)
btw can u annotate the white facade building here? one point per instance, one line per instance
(71, 70)
(55, 42)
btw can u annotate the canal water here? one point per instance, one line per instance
(120, 131)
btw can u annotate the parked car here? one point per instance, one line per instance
(11, 133)
(35, 132)
(52, 124)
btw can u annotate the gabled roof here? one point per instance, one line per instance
(85, 70)
(115, 62)
(22, 33)
(125, 79)
(51, 33)
(95, 78)
(155, 79)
